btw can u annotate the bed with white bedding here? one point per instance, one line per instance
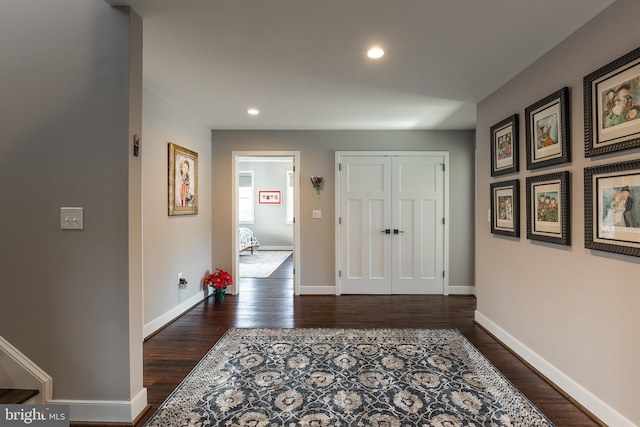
(247, 240)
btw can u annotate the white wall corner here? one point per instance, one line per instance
(584, 397)
(18, 371)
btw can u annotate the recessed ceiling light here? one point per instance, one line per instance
(375, 52)
(253, 111)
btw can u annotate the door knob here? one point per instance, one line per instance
(386, 231)
(396, 231)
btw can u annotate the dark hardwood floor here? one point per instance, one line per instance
(170, 354)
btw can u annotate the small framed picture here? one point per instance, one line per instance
(183, 181)
(505, 211)
(269, 197)
(504, 146)
(547, 128)
(612, 208)
(548, 208)
(612, 106)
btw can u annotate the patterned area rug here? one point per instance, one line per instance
(346, 377)
(261, 264)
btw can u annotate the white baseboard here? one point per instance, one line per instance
(317, 290)
(275, 248)
(18, 371)
(578, 393)
(331, 290)
(160, 321)
(462, 290)
(113, 411)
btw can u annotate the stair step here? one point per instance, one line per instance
(13, 396)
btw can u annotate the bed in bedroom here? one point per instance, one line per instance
(247, 240)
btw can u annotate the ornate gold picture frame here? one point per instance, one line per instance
(183, 181)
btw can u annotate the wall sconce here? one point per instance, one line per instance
(318, 183)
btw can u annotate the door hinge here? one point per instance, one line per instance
(339, 220)
(339, 273)
(443, 274)
(294, 271)
(443, 166)
(294, 219)
(443, 221)
(340, 166)
(294, 168)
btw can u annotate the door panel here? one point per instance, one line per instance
(419, 210)
(402, 194)
(365, 212)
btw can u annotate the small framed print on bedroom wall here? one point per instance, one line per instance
(269, 197)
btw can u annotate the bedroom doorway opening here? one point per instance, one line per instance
(265, 201)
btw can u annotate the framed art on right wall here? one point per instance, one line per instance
(504, 146)
(612, 106)
(548, 207)
(612, 207)
(547, 127)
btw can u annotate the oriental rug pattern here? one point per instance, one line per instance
(346, 377)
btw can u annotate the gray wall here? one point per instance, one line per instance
(574, 309)
(173, 244)
(270, 225)
(317, 150)
(68, 81)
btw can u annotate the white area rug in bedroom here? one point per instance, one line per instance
(261, 264)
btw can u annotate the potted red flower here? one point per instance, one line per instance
(219, 280)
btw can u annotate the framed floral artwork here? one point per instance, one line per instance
(505, 212)
(612, 106)
(504, 146)
(612, 207)
(548, 208)
(547, 126)
(183, 181)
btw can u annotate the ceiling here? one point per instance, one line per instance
(302, 63)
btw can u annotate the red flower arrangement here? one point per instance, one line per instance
(219, 280)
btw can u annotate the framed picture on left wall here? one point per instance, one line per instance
(183, 181)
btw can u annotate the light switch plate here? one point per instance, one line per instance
(71, 219)
(316, 214)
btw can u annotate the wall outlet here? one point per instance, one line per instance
(182, 282)
(316, 214)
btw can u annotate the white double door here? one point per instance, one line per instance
(391, 224)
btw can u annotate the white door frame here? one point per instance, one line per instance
(296, 210)
(445, 243)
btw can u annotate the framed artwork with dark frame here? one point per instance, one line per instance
(548, 207)
(504, 146)
(547, 127)
(505, 208)
(183, 181)
(612, 106)
(612, 208)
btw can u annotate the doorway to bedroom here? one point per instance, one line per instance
(265, 201)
